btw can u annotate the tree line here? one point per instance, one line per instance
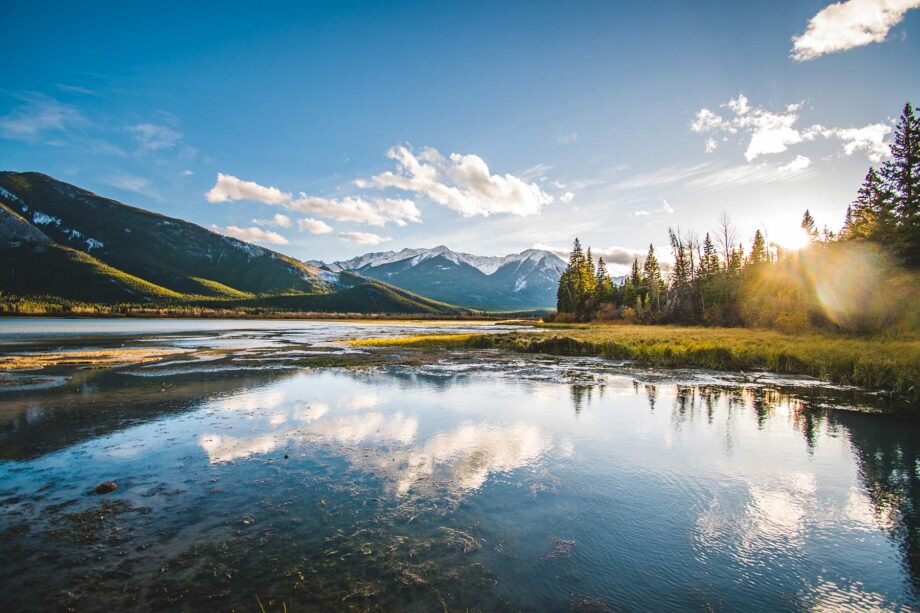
(715, 281)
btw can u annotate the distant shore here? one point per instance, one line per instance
(230, 314)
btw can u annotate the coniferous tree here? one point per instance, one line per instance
(759, 253)
(901, 175)
(567, 294)
(654, 286)
(808, 224)
(870, 215)
(604, 291)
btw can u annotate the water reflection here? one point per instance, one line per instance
(453, 484)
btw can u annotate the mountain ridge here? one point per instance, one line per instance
(517, 281)
(64, 243)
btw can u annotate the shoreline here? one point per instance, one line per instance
(283, 316)
(887, 367)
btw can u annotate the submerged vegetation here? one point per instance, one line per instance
(869, 362)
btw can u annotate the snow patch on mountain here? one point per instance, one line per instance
(484, 263)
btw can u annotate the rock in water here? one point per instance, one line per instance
(106, 486)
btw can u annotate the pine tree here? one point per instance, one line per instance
(567, 298)
(808, 224)
(604, 292)
(759, 253)
(870, 214)
(901, 175)
(653, 283)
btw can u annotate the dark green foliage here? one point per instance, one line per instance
(887, 207)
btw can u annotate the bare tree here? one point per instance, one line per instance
(726, 237)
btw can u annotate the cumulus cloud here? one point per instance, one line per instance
(278, 221)
(567, 198)
(463, 183)
(375, 212)
(363, 238)
(770, 132)
(229, 188)
(799, 163)
(153, 137)
(872, 139)
(612, 255)
(845, 25)
(251, 235)
(314, 226)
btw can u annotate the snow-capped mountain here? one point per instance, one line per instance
(526, 280)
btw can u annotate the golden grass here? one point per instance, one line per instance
(421, 340)
(878, 363)
(94, 358)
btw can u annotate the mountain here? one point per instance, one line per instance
(60, 241)
(526, 280)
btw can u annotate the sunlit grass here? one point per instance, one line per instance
(421, 340)
(878, 363)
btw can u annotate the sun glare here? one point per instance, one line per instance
(792, 238)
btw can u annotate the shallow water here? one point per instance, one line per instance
(478, 480)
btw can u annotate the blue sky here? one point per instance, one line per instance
(489, 127)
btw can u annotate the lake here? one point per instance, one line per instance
(462, 480)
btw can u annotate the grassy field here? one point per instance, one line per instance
(877, 363)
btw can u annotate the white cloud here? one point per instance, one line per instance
(567, 198)
(799, 163)
(363, 238)
(461, 182)
(845, 25)
(278, 221)
(229, 188)
(375, 212)
(314, 226)
(187, 173)
(621, 256)
(872, 139)
(251, 235)
(666, 207)
(153, 137)
(711, 145)
(774, 132)
(748, 174)
(40, 114)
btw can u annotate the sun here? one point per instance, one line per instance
(790, 238)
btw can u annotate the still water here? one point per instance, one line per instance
(473, 480)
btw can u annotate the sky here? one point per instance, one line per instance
(326, 130)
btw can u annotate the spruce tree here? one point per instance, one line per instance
(808, 224)
(759, 253)
(901, 175)
(870, 215)
(604, 291)
(653, 283)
